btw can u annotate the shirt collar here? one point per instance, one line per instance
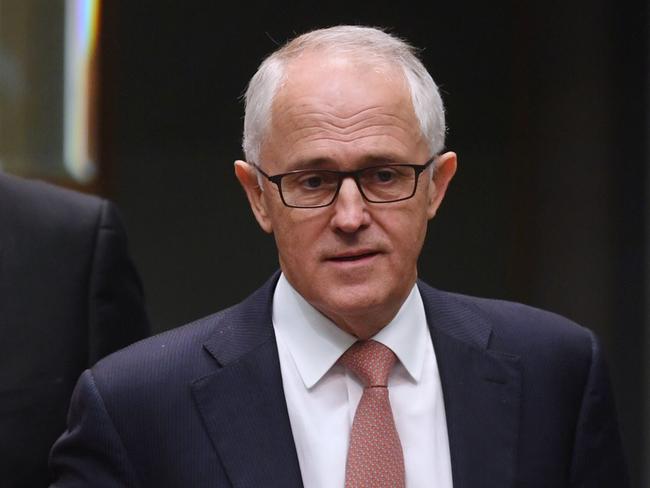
(316, 343)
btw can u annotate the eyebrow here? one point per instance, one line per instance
(331, 164)
(317, 163)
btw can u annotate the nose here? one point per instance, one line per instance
(350, 209)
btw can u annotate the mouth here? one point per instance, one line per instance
(353, 257)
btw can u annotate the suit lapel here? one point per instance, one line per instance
(243, 404)
(481, 389)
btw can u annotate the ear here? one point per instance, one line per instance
(443, 172)
(247, 177)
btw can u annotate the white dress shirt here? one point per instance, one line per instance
(322, 396)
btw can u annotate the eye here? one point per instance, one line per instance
(312, 182)
(385, 175)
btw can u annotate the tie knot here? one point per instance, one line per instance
(370, 360)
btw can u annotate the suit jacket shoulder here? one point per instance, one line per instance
(506, 326)
(49, 206)
(192, 350)
(527, 395)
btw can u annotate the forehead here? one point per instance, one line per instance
(331, 104)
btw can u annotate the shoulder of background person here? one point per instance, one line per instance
(42, 205)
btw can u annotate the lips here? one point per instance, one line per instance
(352, 256)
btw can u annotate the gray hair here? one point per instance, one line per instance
(367, 43)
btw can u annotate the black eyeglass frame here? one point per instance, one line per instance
(277, 180)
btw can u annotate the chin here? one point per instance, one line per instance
(350, 303)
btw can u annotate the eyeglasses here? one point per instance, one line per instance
(314, 188)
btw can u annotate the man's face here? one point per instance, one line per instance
(354, 261)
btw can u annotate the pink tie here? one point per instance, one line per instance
(375, 454)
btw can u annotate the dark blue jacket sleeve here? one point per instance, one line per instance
(90, 452)
(598, 458)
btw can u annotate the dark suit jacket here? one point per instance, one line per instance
(526, 395)
(69, 295)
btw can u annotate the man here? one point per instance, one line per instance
(69, 295)
(343, 137)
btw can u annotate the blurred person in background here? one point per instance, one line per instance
(69, 295)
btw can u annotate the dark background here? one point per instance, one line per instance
(547, 108)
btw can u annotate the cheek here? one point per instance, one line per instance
(411, 244)
(408, 229)
(296, 238)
